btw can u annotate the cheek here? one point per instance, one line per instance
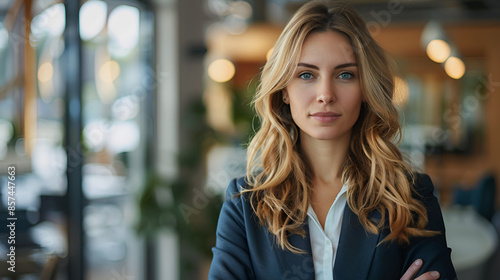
(357, 102)
(353, 103)
(301, 95)
(298, 109)
(294, 110)
(297, 97)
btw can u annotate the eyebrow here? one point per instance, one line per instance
(344, 65)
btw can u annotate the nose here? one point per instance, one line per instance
(326, 92)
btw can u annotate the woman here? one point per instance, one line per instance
(327, 194)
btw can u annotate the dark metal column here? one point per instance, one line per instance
(74, 196)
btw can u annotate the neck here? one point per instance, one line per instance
(326, 157)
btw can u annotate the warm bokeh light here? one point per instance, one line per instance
(109, 71)
(45, 72)
(93, 15)
(106, 71)
(438, 50)
(221, 70)
(252, 45)
(45, 75)
(401, 92)
(269, 53)
(218, 100)
(454, 67)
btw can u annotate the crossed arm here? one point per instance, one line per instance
(413, 269)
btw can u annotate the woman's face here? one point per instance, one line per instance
(324, 94)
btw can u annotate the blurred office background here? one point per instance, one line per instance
(126, 119)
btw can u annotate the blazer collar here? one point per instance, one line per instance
(291, 265)
(354, 254)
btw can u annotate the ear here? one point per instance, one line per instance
(286, 98)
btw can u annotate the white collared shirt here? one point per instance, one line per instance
(324, 243)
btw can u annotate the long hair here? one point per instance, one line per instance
(278, 173)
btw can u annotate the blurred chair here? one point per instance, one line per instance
(481, 197)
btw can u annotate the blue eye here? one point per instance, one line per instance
(346, 76)
(306, 76)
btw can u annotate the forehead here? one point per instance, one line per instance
(327, 45)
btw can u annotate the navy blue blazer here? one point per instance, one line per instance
(246, 250)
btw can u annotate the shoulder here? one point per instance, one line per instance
(422, 184)
(236, 196)
(237, 210)
(236, 186)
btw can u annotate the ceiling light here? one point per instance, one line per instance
(438, 50)
(454, 67)
(221, 70)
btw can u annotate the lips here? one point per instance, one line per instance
(325, 116)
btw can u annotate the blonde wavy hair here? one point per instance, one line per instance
(278, 174)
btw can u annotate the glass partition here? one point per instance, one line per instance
(118, 84)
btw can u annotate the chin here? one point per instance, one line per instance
(325, 136)
(326, 133)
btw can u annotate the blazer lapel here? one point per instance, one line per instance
(294, 266)
(356, 248)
